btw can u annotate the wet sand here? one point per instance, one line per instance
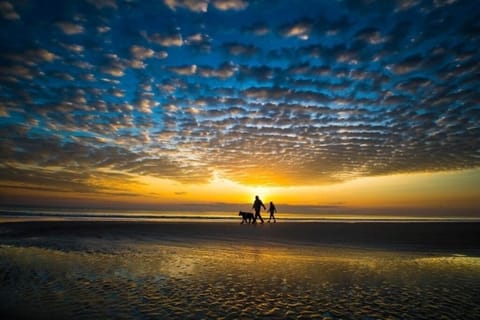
(454, 237)
(124, 270)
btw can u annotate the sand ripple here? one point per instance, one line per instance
(236, 282)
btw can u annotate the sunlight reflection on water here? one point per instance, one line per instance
(235, 281)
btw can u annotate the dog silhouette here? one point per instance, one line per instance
(247, 217)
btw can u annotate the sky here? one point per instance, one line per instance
(331, 104)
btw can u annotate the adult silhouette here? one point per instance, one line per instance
(257, 205)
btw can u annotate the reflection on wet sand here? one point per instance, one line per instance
(236, 281)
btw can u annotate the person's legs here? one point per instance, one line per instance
(260, 216)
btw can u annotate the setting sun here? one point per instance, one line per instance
(212, 102)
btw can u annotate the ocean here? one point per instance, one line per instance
(37, 213)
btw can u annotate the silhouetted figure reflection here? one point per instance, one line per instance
(257, 205)
(272, 209)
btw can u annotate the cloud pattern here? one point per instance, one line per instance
(261, 92)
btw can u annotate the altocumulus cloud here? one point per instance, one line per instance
(272, 92)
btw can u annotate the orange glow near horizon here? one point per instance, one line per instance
(216, 101)
(446, 189)
(459, 189)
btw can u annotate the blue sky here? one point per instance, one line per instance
(280, 93)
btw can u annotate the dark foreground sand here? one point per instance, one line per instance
(145, 270)
(455, 237)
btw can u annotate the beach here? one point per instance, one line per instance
(99, 269)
